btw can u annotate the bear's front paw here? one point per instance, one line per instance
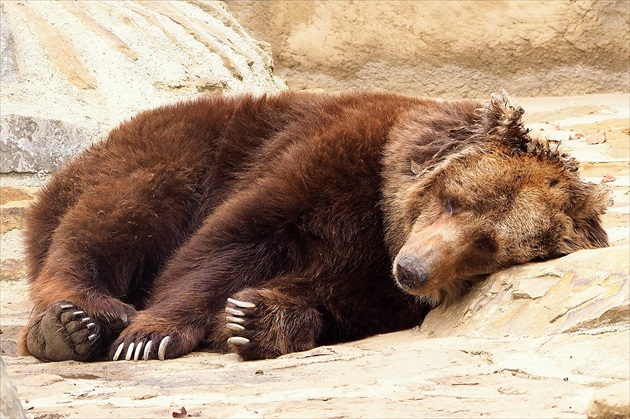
(239, 315)
(266, 324)
(153, 346)
(64, 332)
(149, 337)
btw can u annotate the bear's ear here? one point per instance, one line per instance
(589, 202)
(501, 118)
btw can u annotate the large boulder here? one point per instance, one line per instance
(70, 71)
(577, 293)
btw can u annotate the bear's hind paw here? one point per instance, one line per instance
(64, 332)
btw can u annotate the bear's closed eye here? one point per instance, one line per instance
(452, 206)
(486, 244)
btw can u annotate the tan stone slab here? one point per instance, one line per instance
(394, 375)
(583, 290)
(11, 194)
(12, 269)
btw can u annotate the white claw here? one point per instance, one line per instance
(147, 350)
(77, 313)
(235, 327)
(93, 337)
(66, 306)
(86, 320)
(241, 304)
(234, 311)
(129, 352)
(118, 351)
(234, 319)
(90, 325)
(162, 348)
(238, 340)
(136, 354)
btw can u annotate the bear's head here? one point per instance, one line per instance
(468, 192)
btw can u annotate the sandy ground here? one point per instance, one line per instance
(395, 375)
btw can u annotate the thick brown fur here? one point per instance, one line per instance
(324, 217)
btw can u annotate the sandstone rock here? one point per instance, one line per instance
(11, 194)
(11, 242)
(10, 406)
(582, 291)
(393, 375)
(531, 48)
(554, 135)
(13, 203)
(11, 218)
(86, 66)
(612, 402)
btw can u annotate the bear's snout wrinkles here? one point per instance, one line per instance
(411, 272)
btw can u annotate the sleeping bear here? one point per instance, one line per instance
(274, 224)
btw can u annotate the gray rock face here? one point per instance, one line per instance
(86, 66)
(10, 405)
(31, 144)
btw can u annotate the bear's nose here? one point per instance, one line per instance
(411, 273)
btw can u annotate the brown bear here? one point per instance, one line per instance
(267, 225)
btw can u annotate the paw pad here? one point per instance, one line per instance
(64, 332)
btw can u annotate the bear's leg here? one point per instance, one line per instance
(244, 243)
(290, 314)
(45, 214)
(269, 322)
(102, 260)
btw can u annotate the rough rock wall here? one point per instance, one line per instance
(70, 71)
(447, 48)
(10, 406)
